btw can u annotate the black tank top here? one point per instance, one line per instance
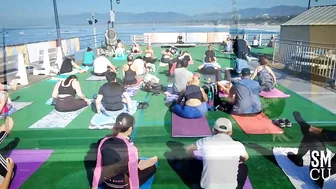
(193, 92)
(66, 66)
(130, 74)
(62, 90)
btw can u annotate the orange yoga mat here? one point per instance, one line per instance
(257, 124)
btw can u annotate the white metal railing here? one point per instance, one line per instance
(314, 59)
(145, 38)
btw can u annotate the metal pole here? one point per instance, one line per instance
(93, 19)
(57, 24)
(112, 19)
(4, 54)
(309, 2)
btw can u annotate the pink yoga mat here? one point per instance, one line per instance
(27, 162)
(247, 184)
(275, 93)
(182, 127)
(257, 124)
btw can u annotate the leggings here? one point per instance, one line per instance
(312, 142)
(149, 59)
(190, 112)
(69, 104)
(143, 175)
(211, 70)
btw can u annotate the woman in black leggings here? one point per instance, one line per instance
(65, 92)
(313, 140)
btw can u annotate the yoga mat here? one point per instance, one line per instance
(247, 184)
(299, 176)
(17, 106)
(223, 95)
(27, 162)
(146, 185)
(57, 78)
(275, 93)
(51, 102)
(257, 124)
(90, 68)
(132, 91)
(56, 119)
(74, 72)
(95, 78)
(120, 58)
(182, 127)
(107, 119)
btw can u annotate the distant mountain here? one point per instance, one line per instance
(162, 17)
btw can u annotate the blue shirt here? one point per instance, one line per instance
(89, 57)
(240, 64)
(246, 96)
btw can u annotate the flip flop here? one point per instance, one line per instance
(287, 122)
(279, 123)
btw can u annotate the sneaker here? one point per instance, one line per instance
(279, 123)
(288, 123)
(293, 157)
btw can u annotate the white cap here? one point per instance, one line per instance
(223, 125)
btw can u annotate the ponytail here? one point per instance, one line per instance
(67, 80)
(124, 121)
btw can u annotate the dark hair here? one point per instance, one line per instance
(263, 60)
(118, 41)
(139, 57)
(184, 64)
(123, 122)
(130, 58)
(167, 50)
(111, 76)
(67, 80)
(89, 49)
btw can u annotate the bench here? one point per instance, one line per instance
(10, 67)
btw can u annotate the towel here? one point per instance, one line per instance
(107, 119)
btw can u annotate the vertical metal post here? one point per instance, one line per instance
(57, 24)
(309, 2)
(4, 54)
(93, 19)
(112, 19)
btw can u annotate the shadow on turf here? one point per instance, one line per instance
(186, 167)
(268, 154)
(90, 161)
(10, 146)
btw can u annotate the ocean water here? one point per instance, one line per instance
(15, 36)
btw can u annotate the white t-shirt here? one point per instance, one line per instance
(140, 65)
(100, 64)
(221, 155)
(255, 42)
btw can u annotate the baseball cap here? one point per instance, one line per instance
(246, 72)
(223, 125)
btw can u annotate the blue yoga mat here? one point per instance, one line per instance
(120, 58)
(58, 77)
(146, 185)
(90, 67)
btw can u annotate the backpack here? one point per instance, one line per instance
(213, 95)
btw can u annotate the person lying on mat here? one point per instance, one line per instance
(7, 165)
(244, 96)
(221, 151)
(118, 164)
(68, 65)
(112, 95)
(314, 139)
(130, 72)
(195, 101)
(266, 76)
(211, 69)
(224, 86)
(89, 57)
(65, 95)
(136, 48)
(149, 55)
(101, 65)
(181, 77)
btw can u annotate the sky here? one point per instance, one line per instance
(23, 9)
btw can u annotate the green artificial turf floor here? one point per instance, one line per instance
(66, 167)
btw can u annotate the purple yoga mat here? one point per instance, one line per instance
(182, 127)
(27, 162)
(247, 184)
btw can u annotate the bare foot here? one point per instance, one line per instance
(14, 84)
(9, 123)
(315, 130)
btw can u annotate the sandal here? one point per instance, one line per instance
(287, 123)
(279, 123)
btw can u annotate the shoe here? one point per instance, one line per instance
(294, 158)
(279, 123)
(288, 123)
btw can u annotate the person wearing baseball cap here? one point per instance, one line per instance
(244, 96)
(220, 152)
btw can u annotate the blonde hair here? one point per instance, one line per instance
(149, 48)
(194, 80)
